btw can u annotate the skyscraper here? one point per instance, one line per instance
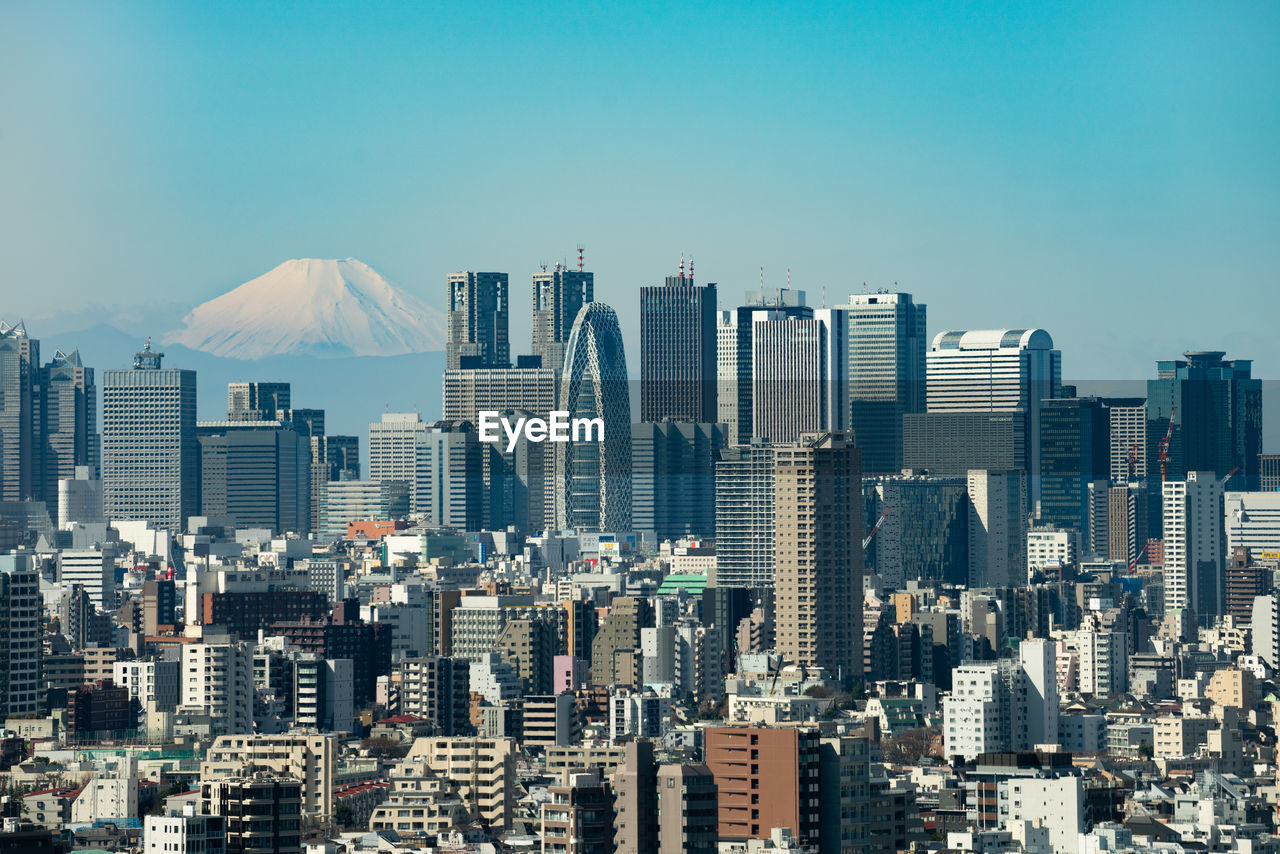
(818, 548)
(1127, 423)
(678, 350)
(799, 370)
(1194, 553)
(744, 516)
(673, 477)
(996, 370)
(558, 295)
(1074, 452)
(886, 374)
(256, 473)
(150, 454)
(255, 401)
(69, 422)
(19, 397)
(478, 321)
(997, 528)
(593, 478)
(734, 381)
(393, 451)
(20, 613)
(1216, 408)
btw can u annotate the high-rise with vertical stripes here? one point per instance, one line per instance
(478, 320)
(150, 453)
(678, 350)
(886, 374)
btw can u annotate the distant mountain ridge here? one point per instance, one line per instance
(313, 307)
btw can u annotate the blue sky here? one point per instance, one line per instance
(1108, 171)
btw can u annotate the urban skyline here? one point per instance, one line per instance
(389, 483)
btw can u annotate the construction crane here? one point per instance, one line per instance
(1164, 446)
(867, 540)
(1230, 475)
(1138, 557)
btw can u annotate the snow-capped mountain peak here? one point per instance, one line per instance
(309, 306)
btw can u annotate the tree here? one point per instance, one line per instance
(909, 745)
(343, 814)
(387, 748)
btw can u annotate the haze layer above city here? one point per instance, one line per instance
(1101, 171)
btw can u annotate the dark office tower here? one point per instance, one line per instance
(818, 553)
(256, 401)
(19, 399)
(150, 454)
(886, 374)
(925, 533)
(1217, 425)
(593, 478)
(673, 478)
(478, 317)
(1074, 452)
(678, 350)
(558, 295)
(256, 474)
(950, 444)
(69, 431)
(1269, 472)
(734, 377)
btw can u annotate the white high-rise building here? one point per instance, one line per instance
(20, 612)
(997, 528)
(150, 454)
(1103, 668)
(1127, 420)
(1252, 520)
(734, 355)
(1265, 629)
(93, 569)
(393, 450)
(1193, 544)
(996, 370)
(80, 497)
(1002, 706)
(217, 678)
(799, 372)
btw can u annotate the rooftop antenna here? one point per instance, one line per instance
(691, 269)
(580, 249)
(824, 296)
(682, 265)
(788, 278)
(544, 267)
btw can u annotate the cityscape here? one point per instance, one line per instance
(597, 555)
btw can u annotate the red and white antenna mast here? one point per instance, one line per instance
(580, 249)
(691, 269)
(682, 266)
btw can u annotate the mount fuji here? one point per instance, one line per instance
(313, 307)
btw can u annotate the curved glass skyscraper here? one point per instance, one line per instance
(593, 479)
